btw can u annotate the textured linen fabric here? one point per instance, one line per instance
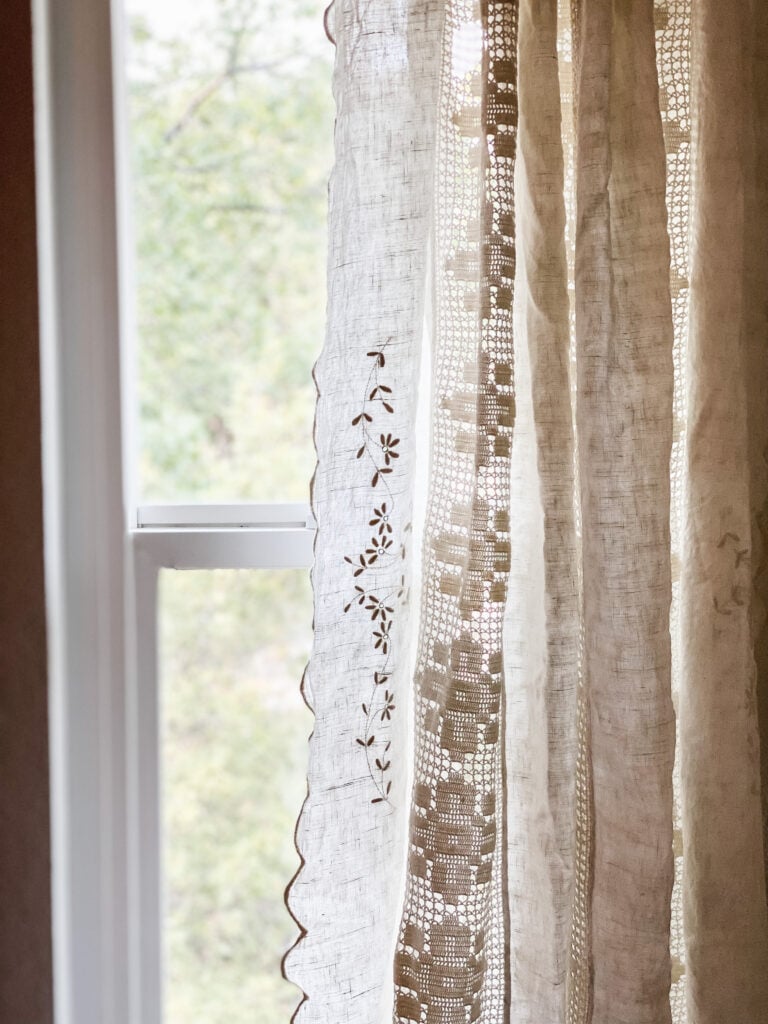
(568, 200)
(673, 57)
(452, 959)
(624, 422)
(351, 834)
(726, 924)
(756, 321)
(542, 619)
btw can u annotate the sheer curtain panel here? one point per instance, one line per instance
(540, 664)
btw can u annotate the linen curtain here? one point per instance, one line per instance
(540, 660)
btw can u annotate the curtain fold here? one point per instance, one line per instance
(726, 924)
(453, 947)
(673, 59)
(756, 319)
(541, 625)
(624, 421)
(498, 810)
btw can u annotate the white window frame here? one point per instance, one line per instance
(104, 551)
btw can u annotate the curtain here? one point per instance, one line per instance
(540, 663)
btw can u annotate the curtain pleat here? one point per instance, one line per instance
(724, 897)
(452, 962)
(756, 319)
(542, 619)
(673, 59)
(624, 419)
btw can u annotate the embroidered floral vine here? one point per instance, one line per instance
(378, 593)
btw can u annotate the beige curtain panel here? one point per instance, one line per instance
(540, 665)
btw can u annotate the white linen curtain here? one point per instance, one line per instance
(540, 661)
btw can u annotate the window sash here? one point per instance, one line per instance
(236, 536)
(192, 545)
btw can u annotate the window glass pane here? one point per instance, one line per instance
(234, 734)
(230, 134)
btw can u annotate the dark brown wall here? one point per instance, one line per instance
(25, 914)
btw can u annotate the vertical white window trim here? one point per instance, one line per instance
(84, 516)
(144, 790)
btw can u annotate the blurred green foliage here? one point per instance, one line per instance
(230, 141)
(234, 742)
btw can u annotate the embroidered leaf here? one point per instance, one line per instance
(383, 387)
(372, 394)
(357, 419)
(347, 607)
(371, 740)
(360, 452)
(367, 418)
(365, 709)
(375, 478)
(388, 407)
(389, 786)
(361, 742)
(378, 800)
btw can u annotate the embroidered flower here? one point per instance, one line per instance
(381, 518)
(381, 637)
(378, 608)
(389, 706)
(377, 549)
(388, 445)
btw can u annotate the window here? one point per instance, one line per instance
(183, 251)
